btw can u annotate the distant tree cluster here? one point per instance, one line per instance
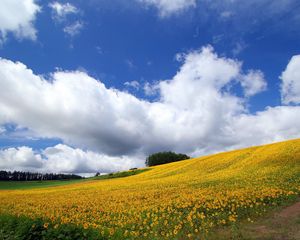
(165, 157)
(28, 176)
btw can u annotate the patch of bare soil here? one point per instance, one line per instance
(280, 225)
(291, 211)
(283, 225)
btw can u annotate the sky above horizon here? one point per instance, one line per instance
(96, 86)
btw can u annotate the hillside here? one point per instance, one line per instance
(188, 198)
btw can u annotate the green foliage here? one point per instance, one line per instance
(165, 157)
(34, 176)
(24, 228)
(121, 174)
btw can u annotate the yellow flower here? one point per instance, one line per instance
(85, 225)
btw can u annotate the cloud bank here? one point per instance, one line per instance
(62, 158)
(196, 113)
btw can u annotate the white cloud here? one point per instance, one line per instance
(273, 124)
(167, 8)
(74, 106)
(203, 74)
(61, 13)
(253, 82)
(195, 112)
(74, 28)
(150, 89)
(60, 10)
(62, 159)
(133, 84)
(20, 159)
(290, 88)
(17, 17)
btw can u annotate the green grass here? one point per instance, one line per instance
(14, 185)
(121, 174)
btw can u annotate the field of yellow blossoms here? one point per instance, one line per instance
(173, 201)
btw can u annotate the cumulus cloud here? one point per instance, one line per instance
(62, 159)
(273, 124)
(151, 89)
(253, 82)
(167, 8)
(60, 10)
(20, 159)
(73, 106)
(195, 112)
(17, 17)
(290, 88)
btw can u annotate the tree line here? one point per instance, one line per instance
(165, 157)
(29, 176)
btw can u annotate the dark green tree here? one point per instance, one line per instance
(165, 157)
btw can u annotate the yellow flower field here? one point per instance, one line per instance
(182, 199)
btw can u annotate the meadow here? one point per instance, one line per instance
(13, 185)
(187, 199)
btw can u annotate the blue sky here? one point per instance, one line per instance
(134, 47)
